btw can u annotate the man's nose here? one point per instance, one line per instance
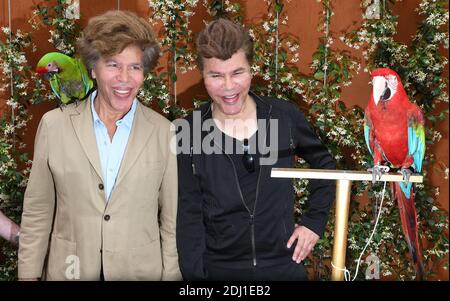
(228, 83)
(123, 75)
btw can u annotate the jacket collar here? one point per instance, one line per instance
(141, 131)
(263, 107)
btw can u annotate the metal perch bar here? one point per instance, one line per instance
(331, 174)
(344, 180)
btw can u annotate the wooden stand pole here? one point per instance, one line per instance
(343, 190)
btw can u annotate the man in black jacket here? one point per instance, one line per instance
(234, 221)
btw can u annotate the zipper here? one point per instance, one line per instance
(252, 227)
(251, 213)
(260, 168)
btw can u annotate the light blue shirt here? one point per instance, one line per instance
(111, 152)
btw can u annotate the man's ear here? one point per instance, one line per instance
(93, 73)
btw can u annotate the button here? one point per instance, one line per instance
(100, 186)
(106, 217)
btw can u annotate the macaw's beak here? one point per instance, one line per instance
(41, 70)
(379, 84)
(47, 76)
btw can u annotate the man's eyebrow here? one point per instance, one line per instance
(235, 70)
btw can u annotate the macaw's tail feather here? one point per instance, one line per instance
(408, 218)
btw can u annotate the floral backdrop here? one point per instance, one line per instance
(421, 66)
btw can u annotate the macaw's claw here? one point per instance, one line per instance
(406, 173)
(377, 171)
(62, 106)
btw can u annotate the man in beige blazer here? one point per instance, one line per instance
(70, 230)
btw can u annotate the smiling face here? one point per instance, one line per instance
(118, 80)
(228, 83)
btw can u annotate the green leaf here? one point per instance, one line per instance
(319, 75)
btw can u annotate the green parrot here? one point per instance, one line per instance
(68, 76)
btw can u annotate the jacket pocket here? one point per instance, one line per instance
(144, 179)
(63, 262)
(145, 262)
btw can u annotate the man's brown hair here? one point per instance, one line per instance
(110, 33)
(221, 39)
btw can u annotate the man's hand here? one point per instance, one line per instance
(306, 240)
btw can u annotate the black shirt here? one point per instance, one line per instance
(247, 180)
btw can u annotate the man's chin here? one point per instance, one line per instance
(232, 109)
(231, 113)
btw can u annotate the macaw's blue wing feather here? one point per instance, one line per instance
(367, 133)
(406, 188)
(416, 144)
(366, 136)
(416, 149)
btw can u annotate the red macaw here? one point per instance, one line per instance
(394, 133)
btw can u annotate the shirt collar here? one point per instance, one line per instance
(126, 120)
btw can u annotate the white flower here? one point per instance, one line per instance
(6, 30)
(73, 10)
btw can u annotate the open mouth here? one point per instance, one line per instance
(230, 99)
(122, 92)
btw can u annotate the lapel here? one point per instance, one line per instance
(141, 132)
(84, 129)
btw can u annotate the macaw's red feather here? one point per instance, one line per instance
(408, 217)
(390, 132)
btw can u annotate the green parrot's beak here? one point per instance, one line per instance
(48, 75)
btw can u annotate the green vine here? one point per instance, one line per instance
(275, 71)
(176, 42)
(63, 29)
(23, 88)
(224, 9)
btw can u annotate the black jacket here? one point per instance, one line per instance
(214, 227)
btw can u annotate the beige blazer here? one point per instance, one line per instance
(68, 228)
